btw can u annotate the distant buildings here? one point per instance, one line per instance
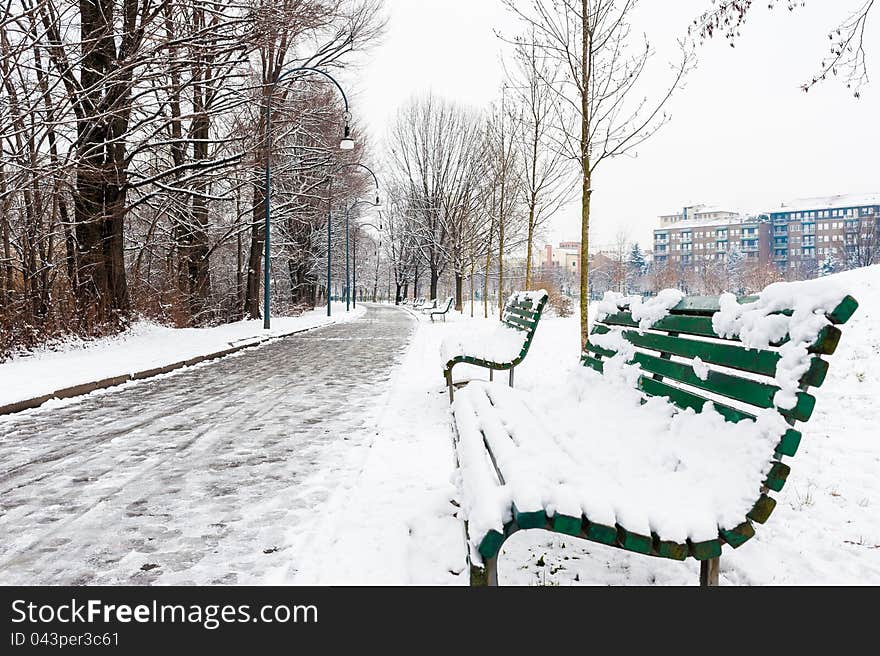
(566, 257)
(697, 213)
(797, 237)
(701, 240)
(809, 231)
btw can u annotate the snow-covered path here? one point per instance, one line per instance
(196, 477)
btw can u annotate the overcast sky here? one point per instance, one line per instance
(742, 131)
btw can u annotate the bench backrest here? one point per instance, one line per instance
(447, 305)
(666, 352)
(523, 312)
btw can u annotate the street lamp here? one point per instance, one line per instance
(354, 254)
(329, 216)
(346, 143)
(349, 280)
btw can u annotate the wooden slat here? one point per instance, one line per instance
(685, 399)
(601, 533)
(741, 389)
(678, 324)
(825, 344)
(633, 541)
(490, 545)
(671, 550)
(525, 314)
(845, 309)
(521, 323)
(728, 355)
(760, 512)
(704, 305)
(593, 363)
(738, 536)
(533, 519)
(598, 350)
(788, 446)
(777, 476)
(705, 550)
(567, 524)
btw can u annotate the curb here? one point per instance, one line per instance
(88, 388)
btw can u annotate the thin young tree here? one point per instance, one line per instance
(547, 184)
(603, 111)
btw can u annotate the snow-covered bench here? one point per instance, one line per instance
(504, 347)
(669, 439)
(440, 311)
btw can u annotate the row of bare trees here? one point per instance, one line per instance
(469, 187)
(132, 156)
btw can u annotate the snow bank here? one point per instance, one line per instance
(145, 346)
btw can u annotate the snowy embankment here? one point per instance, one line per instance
(395, 524)
(145, 347)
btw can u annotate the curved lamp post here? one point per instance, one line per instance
(378, 248)
(329, 216)
(348, 278)
(346, 143)
(354, 254)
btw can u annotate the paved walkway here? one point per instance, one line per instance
(195, 477)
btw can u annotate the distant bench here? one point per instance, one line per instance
(438, 311)
(500, 439)
(505, 347)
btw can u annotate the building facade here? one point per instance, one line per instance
(694, 242)
(697, 213)
(799, 237)
(566, 257)
(808, 232)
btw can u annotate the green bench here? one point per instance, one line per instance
(509, 343)
(435, 311)
(674, 354)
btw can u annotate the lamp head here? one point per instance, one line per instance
(347, 142)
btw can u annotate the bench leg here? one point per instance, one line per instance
(491, 375)
(485, 576)
(511, 377)
(448, 373)
(709, 572)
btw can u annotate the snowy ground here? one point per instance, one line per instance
(327, 458)
(395, 523)
(146, 346)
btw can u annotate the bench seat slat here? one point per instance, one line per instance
(728, 355)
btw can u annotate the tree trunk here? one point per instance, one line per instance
(435, 277)
(586, 65)
(99, 205)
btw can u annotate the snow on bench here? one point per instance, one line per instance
(501, 348)
(657, 445)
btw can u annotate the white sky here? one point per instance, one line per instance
(742, 131)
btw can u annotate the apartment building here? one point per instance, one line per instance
(807, 232)
(565, 257)
(695, 241)
(697, 213)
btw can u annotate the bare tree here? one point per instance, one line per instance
(602, 67)
(435, 160)
(546, 182)
(845, 59)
